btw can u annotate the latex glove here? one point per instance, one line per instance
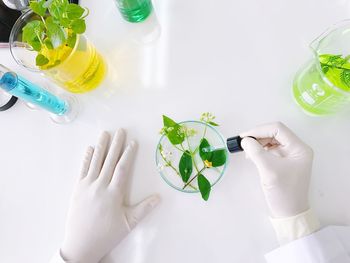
(98, 219)
(284, 163)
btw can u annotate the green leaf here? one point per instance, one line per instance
(175, 135)
(32, 30)
(55, 32)
(218, 157)
(71, 40)
(41, 60)
(38, 7)
(57, 8)
(215, 157)
(213, 123)
(204, 187)
(325, 68)
(78, 26)
(169, 122)
(31, 33)
(186, 166)
(74, 11)
(48, 43)
(205, 150)
(65, 22)
(36, 44)
(345, 77)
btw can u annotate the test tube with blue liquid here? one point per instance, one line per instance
(60, 107)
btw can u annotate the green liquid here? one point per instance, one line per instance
(322, 91)
(135, 10)
(336, 70)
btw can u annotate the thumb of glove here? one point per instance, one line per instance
(254, 151)
(137, 212)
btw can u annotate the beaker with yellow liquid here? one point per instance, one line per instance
(79, 69)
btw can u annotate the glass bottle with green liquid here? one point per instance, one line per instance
(322, 86)
(135, 11)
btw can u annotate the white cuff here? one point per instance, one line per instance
(323, 246)
(292, 228)
(57, 258)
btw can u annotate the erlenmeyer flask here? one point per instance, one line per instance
(322, 86)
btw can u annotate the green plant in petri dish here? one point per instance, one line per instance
(191, 156)
(134, 10)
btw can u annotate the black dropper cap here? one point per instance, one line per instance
(234, 144)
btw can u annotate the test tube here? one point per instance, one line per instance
(60, 109)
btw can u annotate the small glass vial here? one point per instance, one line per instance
(135, 10)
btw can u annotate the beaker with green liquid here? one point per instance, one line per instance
(322, 86)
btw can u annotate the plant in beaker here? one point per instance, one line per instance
(337, 69)
(323, 85)
(191, 156)
(49, 37)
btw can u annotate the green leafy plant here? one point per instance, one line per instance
(58, 23)
(188, 168)
(336, 65)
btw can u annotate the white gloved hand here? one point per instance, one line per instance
(98, 219)
(284, 163)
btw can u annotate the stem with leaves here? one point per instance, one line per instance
(169, 164)
(194, 177)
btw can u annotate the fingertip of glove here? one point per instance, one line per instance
(121, 132)
(104, 136)
(247, 141)
(251, 145)
(133, 144)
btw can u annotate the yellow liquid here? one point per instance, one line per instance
(78, 70)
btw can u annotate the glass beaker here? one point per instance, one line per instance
(322, 86)
(62, 109)
(79, 69)
(134, 10)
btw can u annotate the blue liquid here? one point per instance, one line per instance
(27, 91)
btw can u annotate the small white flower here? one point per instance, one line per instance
(160, 167)
(207, 117)
(167, 154)
(191, 132)
(169, 129)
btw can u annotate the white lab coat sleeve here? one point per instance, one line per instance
(329, 245)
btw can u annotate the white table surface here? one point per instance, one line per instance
(236, 59)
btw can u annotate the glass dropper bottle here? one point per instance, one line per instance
(233, 145)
